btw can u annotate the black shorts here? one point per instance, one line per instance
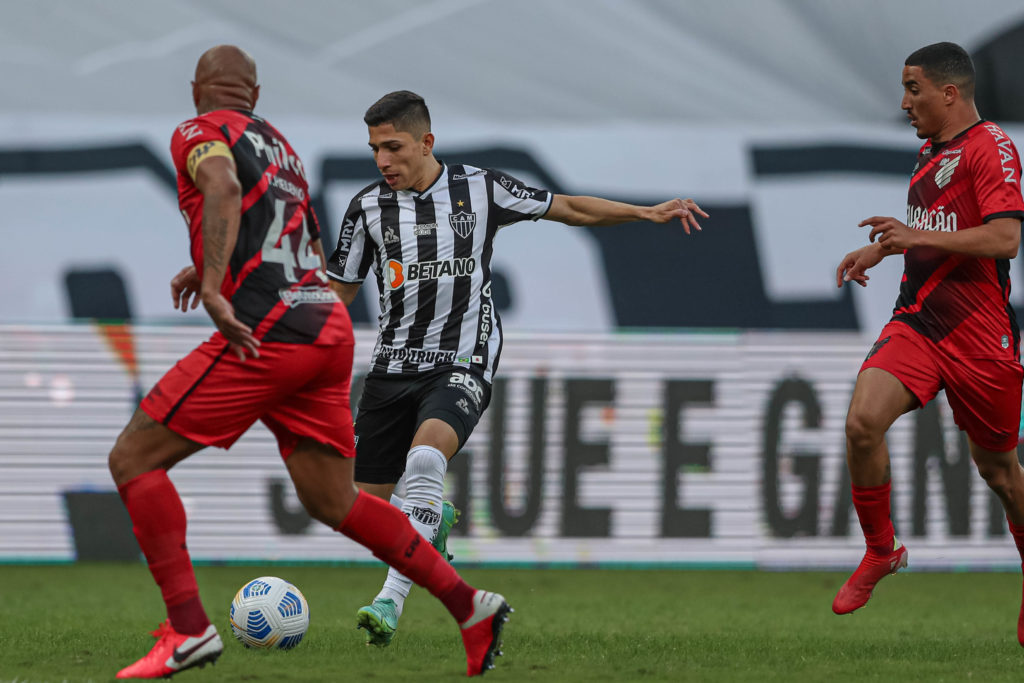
(392, 409)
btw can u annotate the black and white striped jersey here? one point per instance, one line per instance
(431, 254)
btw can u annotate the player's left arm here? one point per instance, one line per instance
(997, 238)
(216, 177)
(318, 249)
(583, 210)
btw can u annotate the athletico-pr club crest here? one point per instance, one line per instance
(462, 222)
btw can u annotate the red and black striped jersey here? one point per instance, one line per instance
(274, 279)
(960, 302)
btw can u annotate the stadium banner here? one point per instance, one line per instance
(784, 204)
(688, 449)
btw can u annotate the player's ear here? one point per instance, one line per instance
(950, 93)
(428, 143)
(195, 94)
(255, 96)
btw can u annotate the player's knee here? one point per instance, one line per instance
(320, 509)
(998, 475)
(120, 460)
(330, 508)
(862, 433)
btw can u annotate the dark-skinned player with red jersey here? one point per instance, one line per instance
(953, 327)
(282, 354)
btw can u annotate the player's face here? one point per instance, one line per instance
(401, 158)
(924, 102)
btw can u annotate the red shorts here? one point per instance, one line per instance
(297, 390)
(985, 394)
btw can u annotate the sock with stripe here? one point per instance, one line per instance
(158, 520)
(424, 491)
(872, 505)
(389, 535)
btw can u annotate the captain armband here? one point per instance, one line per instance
(204, 151)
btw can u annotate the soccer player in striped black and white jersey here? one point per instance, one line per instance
(426, 231)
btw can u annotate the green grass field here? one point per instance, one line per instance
(84, 622)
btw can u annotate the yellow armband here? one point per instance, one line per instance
(203, 151)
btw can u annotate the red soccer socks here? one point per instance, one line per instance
(885, 555)
(872, 505)
(1018, 538)
(388, 534)
(158, 520)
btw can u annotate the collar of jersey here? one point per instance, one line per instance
(940, 145)
(434, 185)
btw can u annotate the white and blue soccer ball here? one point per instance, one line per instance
(269, 613)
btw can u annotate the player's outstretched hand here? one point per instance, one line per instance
(184, 285)
(854, 265)
(686, 210)
(238, 334)
(890, 233)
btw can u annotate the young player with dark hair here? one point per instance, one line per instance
(953, 327)
(427, 231)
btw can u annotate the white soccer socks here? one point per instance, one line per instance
(425, 469)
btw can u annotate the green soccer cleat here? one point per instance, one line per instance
(449, 518)
(380, 621)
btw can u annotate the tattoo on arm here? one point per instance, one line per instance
(215, 230)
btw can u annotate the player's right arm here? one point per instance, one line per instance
(185, 286)
(349, 264)
(215, 176)
(346, 291)
(854, 265)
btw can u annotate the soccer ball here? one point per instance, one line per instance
(269, 613)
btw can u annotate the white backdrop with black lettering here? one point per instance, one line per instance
(675, 449)
(785, 203)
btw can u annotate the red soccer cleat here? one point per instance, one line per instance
(175, 652)
(857, 589)
(481, 633)
(1020, 619)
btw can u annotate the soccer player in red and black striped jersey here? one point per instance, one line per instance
(953, 327)
(282, 354)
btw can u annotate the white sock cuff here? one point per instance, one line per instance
(424, 460)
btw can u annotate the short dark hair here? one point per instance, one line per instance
(944, 63)
(404, 110)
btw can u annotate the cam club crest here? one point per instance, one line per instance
(462, 223)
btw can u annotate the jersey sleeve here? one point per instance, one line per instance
(995, 172)
(194, 141)
(351, 259)
(516, 201)
(313, 224)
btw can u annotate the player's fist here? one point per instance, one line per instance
(184, 285)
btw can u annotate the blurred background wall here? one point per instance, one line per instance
(780, 117)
